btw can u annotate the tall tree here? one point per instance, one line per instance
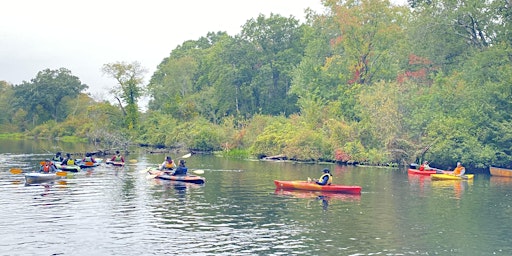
(43, 98)
(277, 40)
(130, 78)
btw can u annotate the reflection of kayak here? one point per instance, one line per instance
(451, 177)
(496, 171)
(304, 185)
(36, 177)
(428, 173)
(68, 168)
(183, 178)
(317, 194)
(114, 163)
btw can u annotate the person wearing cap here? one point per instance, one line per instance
(182, 169)
(58, 158)
(47, 167)
(325, 179)
(424, 167)
(168, 165)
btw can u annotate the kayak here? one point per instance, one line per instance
(183, 178)
(428, 173)
(114, 163)
(88, 164)
(68, 168)
(451, 177)
(496, 171)
(36, 177)
(304, 185)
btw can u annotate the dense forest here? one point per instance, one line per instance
(366, 81)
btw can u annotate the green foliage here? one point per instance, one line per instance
(129, 77)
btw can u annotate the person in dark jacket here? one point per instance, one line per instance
(181, 169)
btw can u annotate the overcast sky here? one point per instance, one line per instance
(82, 35)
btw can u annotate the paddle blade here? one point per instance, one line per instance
(132, 160)
(187, 155)
(16, 171)
(151, 176)
(62, 174)
(198, 171)
(89, 163)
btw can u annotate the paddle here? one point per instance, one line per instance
(16, 171)
(20, 171)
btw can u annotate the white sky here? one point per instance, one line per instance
(82, 35)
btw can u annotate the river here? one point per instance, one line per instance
(238, 211)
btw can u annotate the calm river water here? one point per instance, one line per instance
(119, 211)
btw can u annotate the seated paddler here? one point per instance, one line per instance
(325, 179)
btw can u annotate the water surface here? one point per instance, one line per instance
(118, 211)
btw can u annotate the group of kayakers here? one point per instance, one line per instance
(48, 165)
(458, 171)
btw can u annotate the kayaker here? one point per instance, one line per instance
(58, 158)
(325, 179)
(117, 157)
(47, 167)
(168, 165)
(88, 158)
(459, 170)
(182, 169)
(424, 167)
(68, 160)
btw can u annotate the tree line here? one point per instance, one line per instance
(366, 81)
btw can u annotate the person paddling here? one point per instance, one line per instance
(459, 170)
(68, 160)
(168, 165)
(48, 167)
(182, 169)
(325, 179)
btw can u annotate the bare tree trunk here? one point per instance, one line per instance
(121, 105)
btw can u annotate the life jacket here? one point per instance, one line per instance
(87, 159)
(70, 162)
(329, 181)
(458, 170)
(170, 165)
(118, 158)
(57, 159)
(422, 167)
(47, 168)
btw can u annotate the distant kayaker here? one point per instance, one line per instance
(88, 158)
(48, 167)
(167, 165)
(68, 160)
(325, 179)
(118, 157)
(182, 169)
(58, 158)
(424, 166)
(459, 170)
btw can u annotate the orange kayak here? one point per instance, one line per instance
(304, 185)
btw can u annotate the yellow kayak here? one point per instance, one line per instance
(451, 177)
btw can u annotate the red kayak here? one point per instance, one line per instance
(428, 172)
(183, 178)
(304, 185)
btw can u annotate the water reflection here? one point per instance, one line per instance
(325, 198)
(458, 186)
